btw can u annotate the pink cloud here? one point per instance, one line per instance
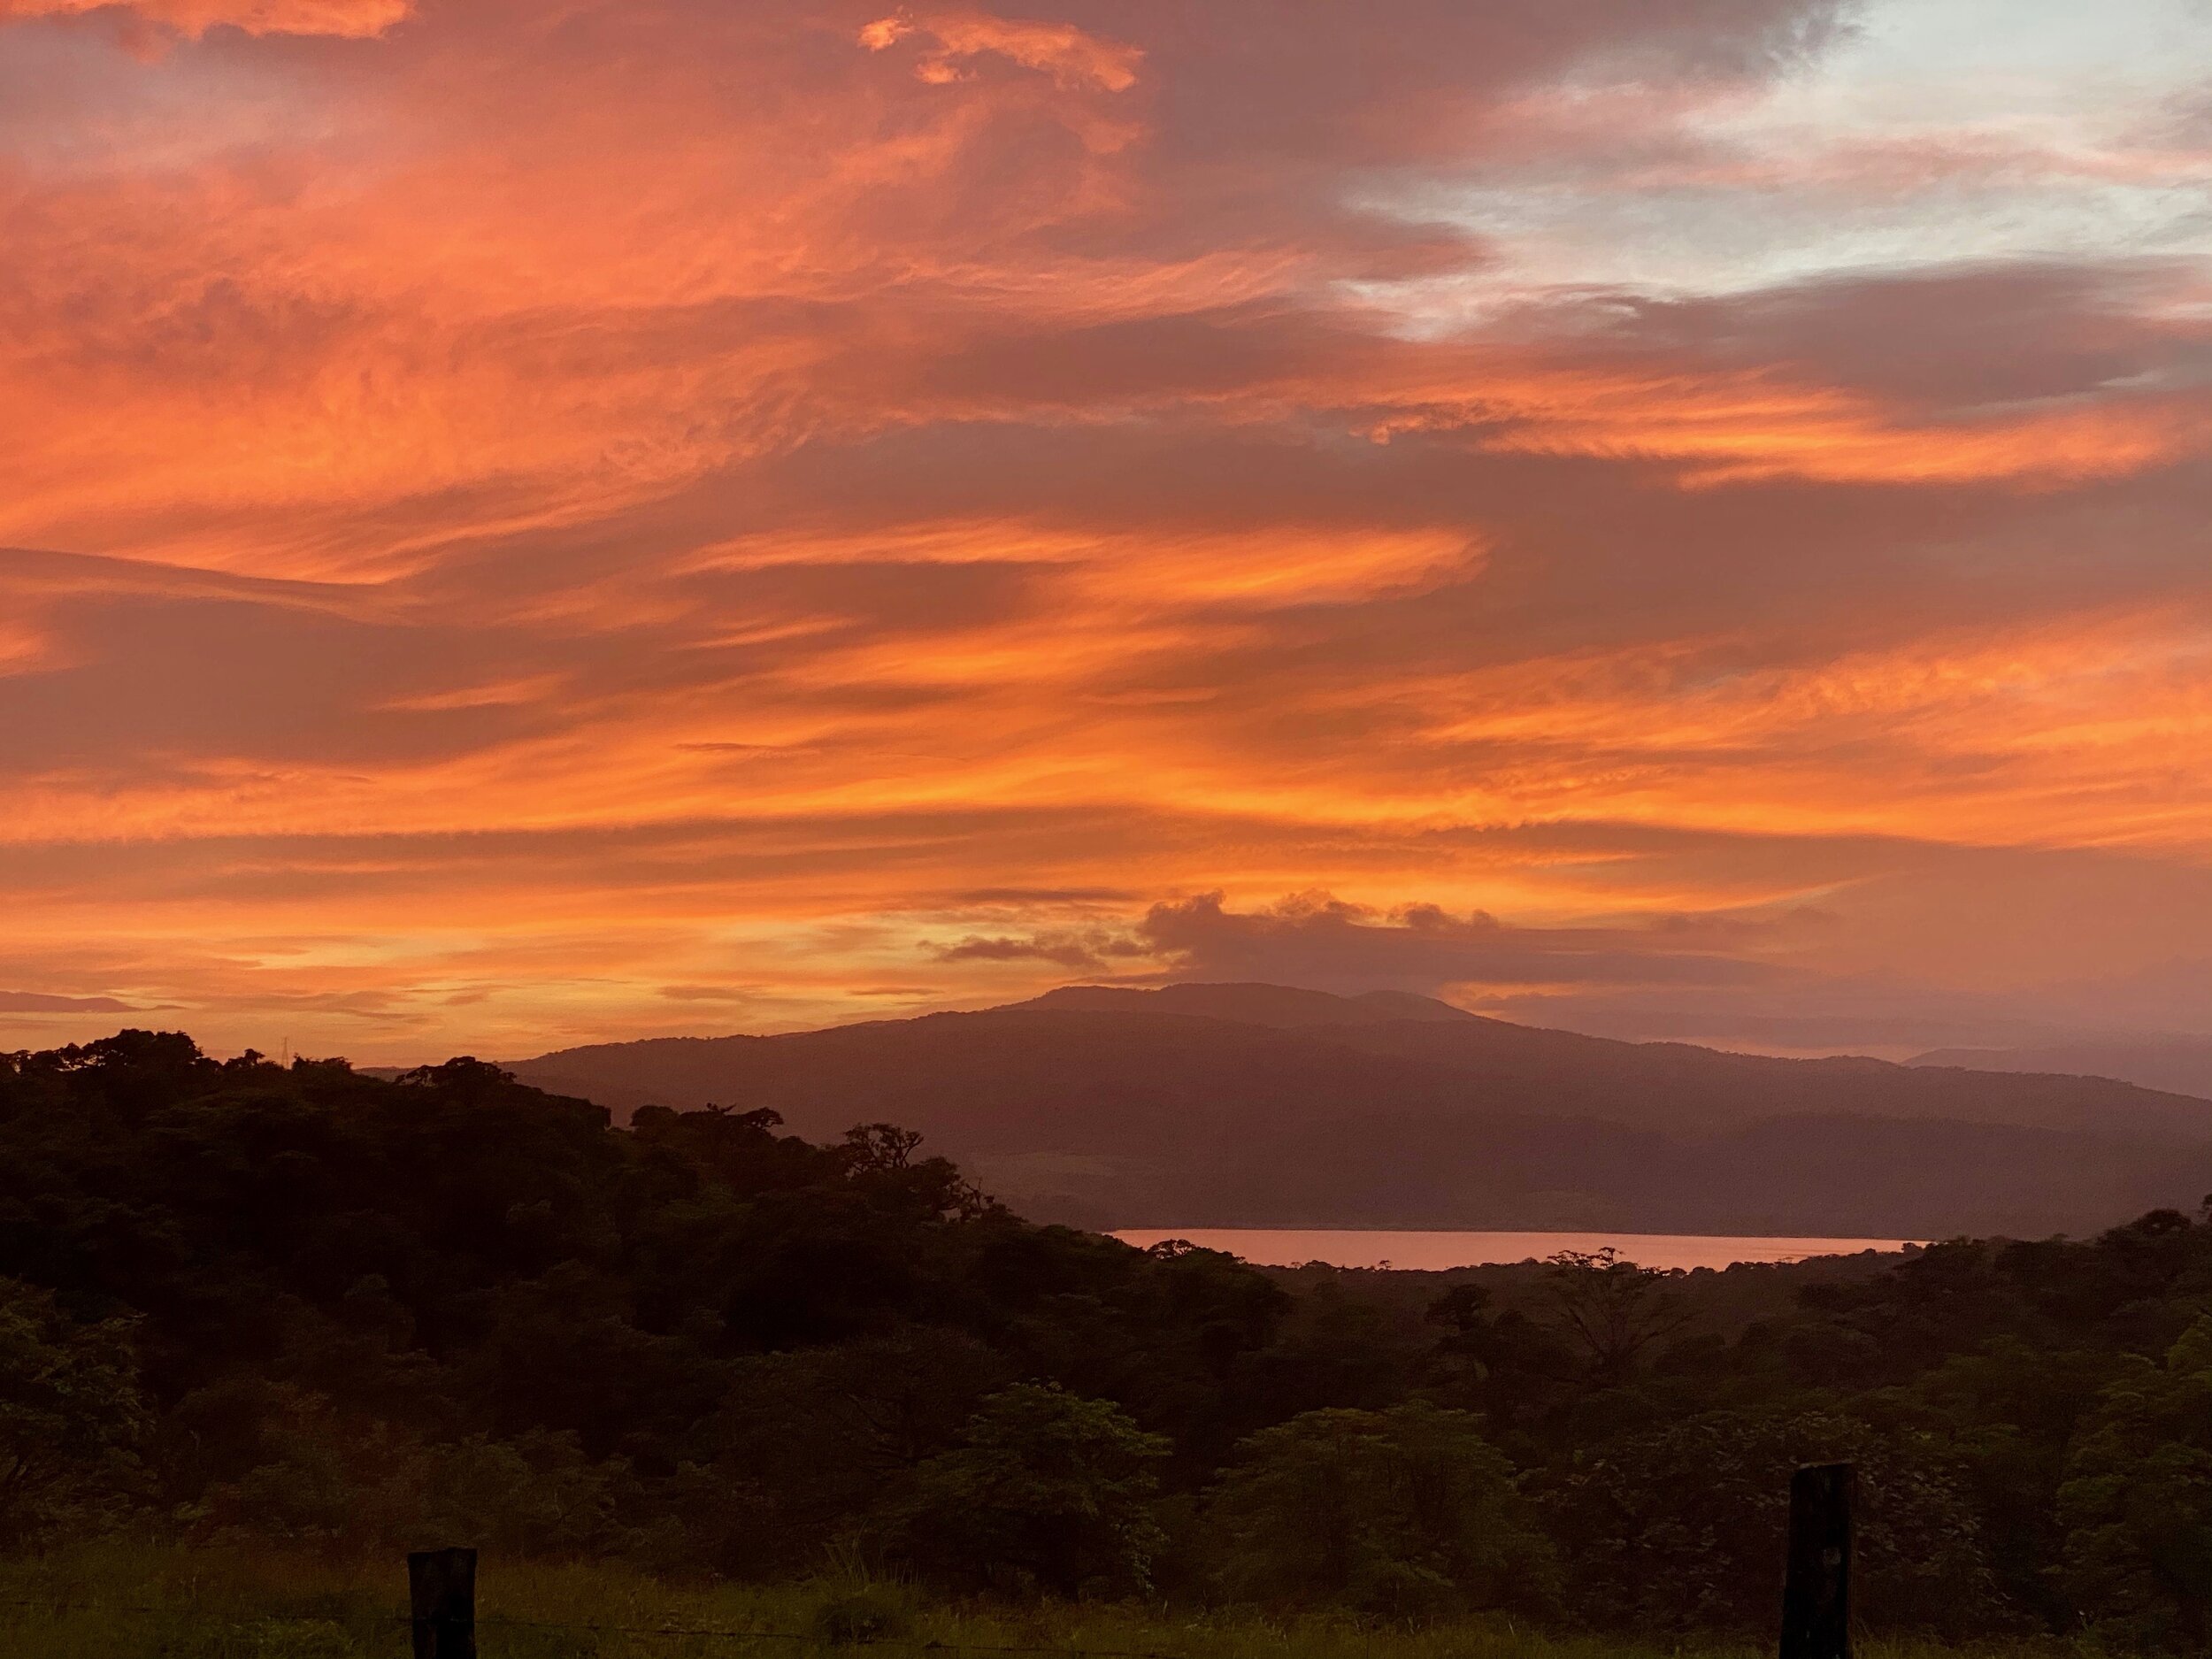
(350, 18)
(681, 499)
(1070, 56)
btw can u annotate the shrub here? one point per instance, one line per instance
(1048, 1491)
(861, 1612)
(72, 1418)
(2137, 1505)
(1684, 1526)
(1406, 1514)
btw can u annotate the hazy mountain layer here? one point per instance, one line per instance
(1258, 1105)
(2183, 1065)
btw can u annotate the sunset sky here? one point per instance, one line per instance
(527, 522)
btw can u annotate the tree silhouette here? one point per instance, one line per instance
(1611, 1309)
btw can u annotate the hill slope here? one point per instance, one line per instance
(1256, 1105)
(2183, 1065)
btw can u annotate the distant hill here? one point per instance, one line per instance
(1278, 1005)
(1259, 1105)
(2183, 1065)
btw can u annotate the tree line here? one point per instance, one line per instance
(245, 1300)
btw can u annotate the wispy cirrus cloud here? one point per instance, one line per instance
(351, 19)
(526, 531)
(48, 1002)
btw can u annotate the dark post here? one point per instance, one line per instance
(1816, 1593)
(442, 1588)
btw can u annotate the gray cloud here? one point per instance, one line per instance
(1322, 942)
(46, 1002)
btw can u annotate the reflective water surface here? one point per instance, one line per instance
(1292, 1246)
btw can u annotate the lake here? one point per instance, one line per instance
(1293, 1246)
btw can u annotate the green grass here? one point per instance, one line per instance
(121, 1600)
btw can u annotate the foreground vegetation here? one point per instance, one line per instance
(245, 1306)
(119, 1599)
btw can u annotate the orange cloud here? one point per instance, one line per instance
(758, 514)
(1071, 58)
(350, 18)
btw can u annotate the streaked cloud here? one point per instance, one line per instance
(1071, 57)
(356, 19)
(47, 1002)
(532, 524)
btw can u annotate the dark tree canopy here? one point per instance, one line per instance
(298, 1302)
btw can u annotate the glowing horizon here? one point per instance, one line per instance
(525, 526)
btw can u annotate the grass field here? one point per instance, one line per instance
(123, 1602)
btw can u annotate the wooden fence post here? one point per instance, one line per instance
(442, 1594)
(1817, 1591)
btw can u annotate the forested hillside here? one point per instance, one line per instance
(1258, 1105)
(242, 1301)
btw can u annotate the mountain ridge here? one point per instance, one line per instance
(1112, 1106)
(2175, 1063)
